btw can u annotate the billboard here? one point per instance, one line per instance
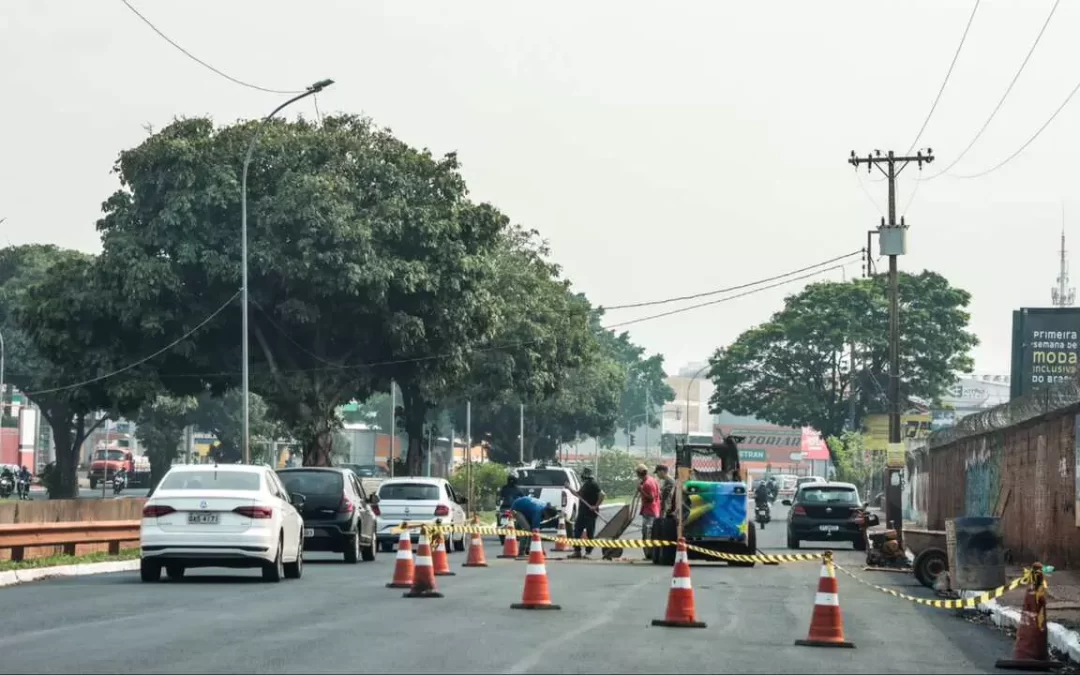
(877, 429)
(1045, 347)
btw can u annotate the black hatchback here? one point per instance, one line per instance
(337, 514)
(825, 512)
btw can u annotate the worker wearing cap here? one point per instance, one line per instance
(667, 490)
(649, 491)
(591, 497)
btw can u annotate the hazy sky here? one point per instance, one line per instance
(664, 148)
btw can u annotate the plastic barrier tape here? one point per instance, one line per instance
(961, 603)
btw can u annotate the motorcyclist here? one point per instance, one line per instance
(23, 481)
(774, 487)
(762, 495)
(120, 479)
(509, 492)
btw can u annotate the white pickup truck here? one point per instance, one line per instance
(546, 483)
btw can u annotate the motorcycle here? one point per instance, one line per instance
(119, 483)
(762, 514)
(7, 486)
(24, 488)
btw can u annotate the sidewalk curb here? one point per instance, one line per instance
(15, 577)
(1061, 639)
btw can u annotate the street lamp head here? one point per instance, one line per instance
(320, 85)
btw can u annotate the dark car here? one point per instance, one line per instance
(825, 512)
(337, 515)
(368, 470)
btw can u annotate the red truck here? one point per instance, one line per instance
(106, 461)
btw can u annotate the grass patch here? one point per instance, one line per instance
(57, 560)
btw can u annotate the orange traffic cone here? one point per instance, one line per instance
(561, 543)
(826, 624)
(476, 549)
(510, 544)
(423, 585)
(680, 604)
(1032, 652)
(440, 556)
(535, 595)
(403, 567)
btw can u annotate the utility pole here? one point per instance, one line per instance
(521, 434)
(647, 402)
(892, 241)
(393, 423)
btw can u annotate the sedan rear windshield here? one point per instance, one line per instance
(812, 494)
(313, 482)
(542, 477)
(209, 479)
(409, 491)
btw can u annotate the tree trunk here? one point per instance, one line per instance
(415, 413)
(67, 441)
(160, 462)
(318, 444)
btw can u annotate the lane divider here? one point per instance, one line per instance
(960, 603)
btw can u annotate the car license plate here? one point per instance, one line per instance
(202, 519)
(309, 532)
(829, 528)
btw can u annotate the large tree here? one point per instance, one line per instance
(60, 347)
(223, 416)
(644, 392)
(796, 369)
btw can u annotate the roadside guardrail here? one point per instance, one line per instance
(17, 538)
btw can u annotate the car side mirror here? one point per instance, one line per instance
(462, 500)
(298, 500)
(786, 502)
(373, 499)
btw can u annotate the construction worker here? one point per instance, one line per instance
(667, 490)
(649, 490)
(529, 514)
(591, 497)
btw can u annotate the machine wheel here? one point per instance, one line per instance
(751, 546)
(929, 565)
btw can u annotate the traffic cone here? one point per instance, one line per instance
(1032, 652)
(562, 545)
(680, 604)
(510, 545)
(826, 624)
(423, 585)
(535, 595)
(403, 566)
(440, 556)
(476, 548)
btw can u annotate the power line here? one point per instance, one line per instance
(141, 361)
(202, 63)
(695, 296)
(1008, 89)
(948, 74)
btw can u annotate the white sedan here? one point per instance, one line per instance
(236, 516)
(417, 501)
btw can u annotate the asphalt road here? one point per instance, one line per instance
(341, 618)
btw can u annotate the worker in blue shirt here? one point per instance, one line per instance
(529, 514)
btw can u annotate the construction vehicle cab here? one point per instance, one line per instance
(716, 512)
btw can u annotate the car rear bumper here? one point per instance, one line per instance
(226, 549)
(326, 536)
(820, 529)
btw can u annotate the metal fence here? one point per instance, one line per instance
(1021, 409)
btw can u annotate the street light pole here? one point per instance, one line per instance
(313, 89)
(679, 479)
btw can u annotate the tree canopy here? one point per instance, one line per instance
(796, 369)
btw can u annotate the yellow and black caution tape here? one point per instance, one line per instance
(615, 543)
(959, 603)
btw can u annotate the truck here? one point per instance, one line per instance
(549, 483)
(716, 511)
(108, 459)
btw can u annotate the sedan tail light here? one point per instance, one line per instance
(255, 512)
(345, 506)
(442, 510)
(798, 511)
(564, 498)
(156, 510)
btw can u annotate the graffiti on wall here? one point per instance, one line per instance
(982, 477)
(1076, 451)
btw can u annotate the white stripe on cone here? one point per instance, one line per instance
(424, 561)
(680, 556)
(404, 554)
(681, 583)
(828, 599)
(826, 573)
(535, 570)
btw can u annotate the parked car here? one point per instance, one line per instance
(548, 484)
(825, 512)
(338, 515)
(232, 515)
(368, 470)
(803, 480)
(417, 501)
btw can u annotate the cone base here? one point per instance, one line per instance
(678, 624)
(1024, 664)
(422, 594)
(529, 605)
(401, 585)
(475, 565)
(445, 574)
(822, 643)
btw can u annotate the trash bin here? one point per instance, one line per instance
(980, 554)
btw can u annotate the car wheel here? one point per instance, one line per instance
(792, 542)
(149, 571)
(295, 569)
(175, 572)
(275, 571)
(387, 546)
(352, 548)
(459, 545)
(368, 552)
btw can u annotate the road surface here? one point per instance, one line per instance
(341, 618)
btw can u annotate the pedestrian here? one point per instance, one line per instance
(591, 497)
(667, 490)
(649, 490)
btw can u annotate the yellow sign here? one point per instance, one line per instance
(877, 429)
(895, 458)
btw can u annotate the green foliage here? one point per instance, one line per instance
(487, 478)
(645, 389)
(794, 370)
(223, 416)
(850, 459)
(615, 473)
(159, 426)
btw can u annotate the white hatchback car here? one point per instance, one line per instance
(234, 515)
(417, 500)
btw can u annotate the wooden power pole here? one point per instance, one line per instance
(892, 241)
